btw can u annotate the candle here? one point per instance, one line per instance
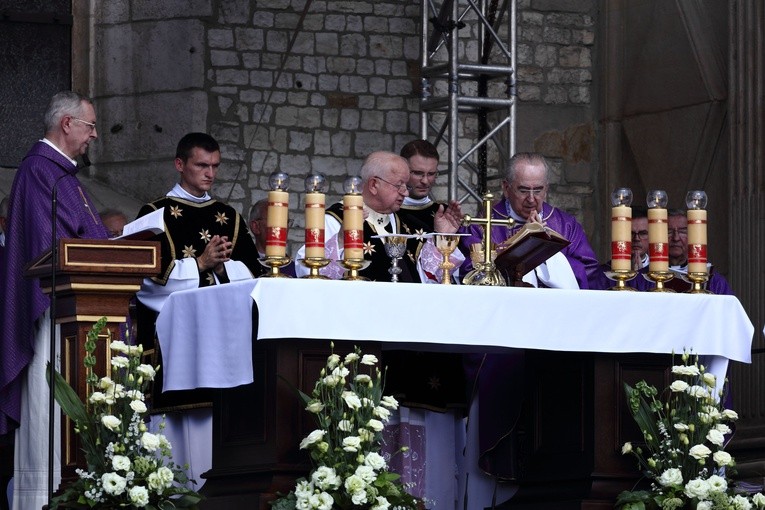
(353, 227)
(314, 225)
(658, 233)
(697, 231)
(276, 223)
(621, 229)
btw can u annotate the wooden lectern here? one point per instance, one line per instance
(93, 279)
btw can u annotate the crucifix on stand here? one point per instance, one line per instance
(485, 273)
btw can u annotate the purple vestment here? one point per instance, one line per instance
(28, 236)
(579, 253)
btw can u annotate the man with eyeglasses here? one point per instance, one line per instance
(385, 177)
(639, 250)
(257, 224)
(70, 121)
(524, 194)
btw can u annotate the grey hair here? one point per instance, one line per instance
(257, 209)
(378, 164)
(533, 158)
(62, 104)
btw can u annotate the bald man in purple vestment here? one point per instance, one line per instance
(70, 127)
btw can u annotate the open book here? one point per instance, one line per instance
(533, 244)
(145, 227)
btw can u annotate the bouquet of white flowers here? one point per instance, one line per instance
(349, 471)
(127, 466)
(683, 454)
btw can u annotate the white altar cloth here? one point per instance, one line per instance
(206, 334)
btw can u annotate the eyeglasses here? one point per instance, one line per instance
(642, 234)
(402, 188)
(523, 191)
(680, 232)
(91, 125)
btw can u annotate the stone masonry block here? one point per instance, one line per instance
(334, 22)
(152, 10)
(300, 141)
(575, 56)
(262, 79)
(234, 12)
(263, 19)
(399, 87)
(313, 22)
(327, 44)
(350, 7)
(309, 117)
(297, 98)
(318, 100)
(377, 86)
(354, 23)
(219, 38)
(556, 35)
(377, 25)
(353, 45)
(277, 41)
(322, 143)
(329, 117)
(341, 65)
(386, 46)
(530, 74)
(286, 20)
(365, 66)
(250, 60)
(304, 44)
(367, 142)
(249, 38)
(372, 120)
(224, 58)
(403, 25)
(349, 119)
(585, 37)
(341, 144)
(396, 122)
(328, 82)
(545, 55)
(529, 93)
(563, 5)
(286, 116)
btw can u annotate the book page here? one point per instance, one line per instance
(145, 226)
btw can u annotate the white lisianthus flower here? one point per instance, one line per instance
(303, 489)
(351, 443)
(139, 496)
(715, 437)
(730, 414)
(118, 346)
(699, 452)
(164, 442)
(333, 361)
(352, 400)
(722, 458)
(359, 497)
(704, 505)
(381, 413)
(120, 362)
(341, 372)
(741, 503)
(155, 483)
(355, 483)
(97, 397)
(166, 475)
(321, 501)
(671, 476)
(723, 428)
(110, 422)
(331, 381)
(368, 359)
(303, 503)
(149, 441)
(113, 483)
(713, 412)
(363, 379)
(326, 478)
(138, 406)
(759, 500)
(121, 463)
(697, 488)
(375, 460)
(710, 379)
(717, 484)
(699, 392)
(375, 425)
(105, 383)
(345, 425)
(380, 503)
(681, 427)
(351, 357)
(146, 371)
(365, 435)
(389, 402)
(134, 394)
(313, 437)
(678, 386)
(366, 473)
(686, 370)
(627, 448)
(314, 406)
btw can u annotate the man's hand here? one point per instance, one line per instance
(535, 218)
(448, 219)
(217, 251)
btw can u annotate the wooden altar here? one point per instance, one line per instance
(93, 279)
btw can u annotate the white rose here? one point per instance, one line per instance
(717, 484)
(685, 370)
(97, 397)
(118, 346)
(166, 475)
(375, 425)
(699, 451)
(352, 400)
(354, 484)
(138, 406)
(678, 386)
(139, 496)
(715, 437)
(150, 441)
(155, 483)
(672, 476)
(120, 362)
(375, 460)
(380, 504)
(351, 443)
(723, 428)
(359, 498)
(699, 392)
(113, 483)
(369, 359)
(340, 372)
(105, 383)
(313, 437)
(303, 489)
(120, 463)
(331, 381)
(110, 422)
(134, 395)
(697, 488)
(722, 458)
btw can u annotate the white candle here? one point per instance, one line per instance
(658, 240)
(621, 238)
(276, 223)
(353, 227)
(697, 240)
(314, 225)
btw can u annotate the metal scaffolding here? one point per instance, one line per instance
(468, 88)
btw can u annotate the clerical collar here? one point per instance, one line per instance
(380, 220)
(414, 202)
(644, 261)
(179, 192)
(514, 215)
(46, 141)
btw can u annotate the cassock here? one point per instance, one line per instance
(24, 349)
(579, 254)
(190, 223)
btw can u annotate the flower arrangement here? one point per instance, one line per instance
(348, 470)
(127, 466)
(684, 455)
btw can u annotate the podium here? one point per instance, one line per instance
(93, 278)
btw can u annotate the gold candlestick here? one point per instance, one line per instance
(489, 273)
(352, 267)
(314, 264)
(660, 277)
(697, 280)
(275, 264)
(621, 276)
(481, 274)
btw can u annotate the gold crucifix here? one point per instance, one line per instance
(492, 277)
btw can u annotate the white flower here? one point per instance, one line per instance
(699, 392)
(709, 379)
(381, 504)
(730, 414)
(363, 379)
(715, 437)
(321, 501)
(741, 503)
(345, 425)
(139, 496)
(723, 428)
(134, 395)
(686, 370)
(352, 400)
(389, 402)
(341, 372)
(331, 380)
(333, 361)
(722, 458)
(366, 435)
(120, 463)
(313, 437)
(138, 406)
(678, 386)
(359, 498)
(150, 441)
(354, 483)
(681, 427)
(110, 422)
(627, 448)
(717, 484)
(113, 483)
(375, 425)
(351, 443)
(147, 371)
(697, 488)
(120, 362)
(326, 478)
(105, 383)
(759, 500)
(164, 443)
(672, 476)
(155, 483)
(351, 357)
(699, 451)
(366, 473)
(166, 475)
(381, 413)
(704, 505)
(303, 489)
(119, 346)
(368, 359)
(97, 397)
(375, 460)
(314, 406)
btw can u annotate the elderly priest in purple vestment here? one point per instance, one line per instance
(70, 127)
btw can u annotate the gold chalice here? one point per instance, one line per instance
(275, 263)
(446, 244)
